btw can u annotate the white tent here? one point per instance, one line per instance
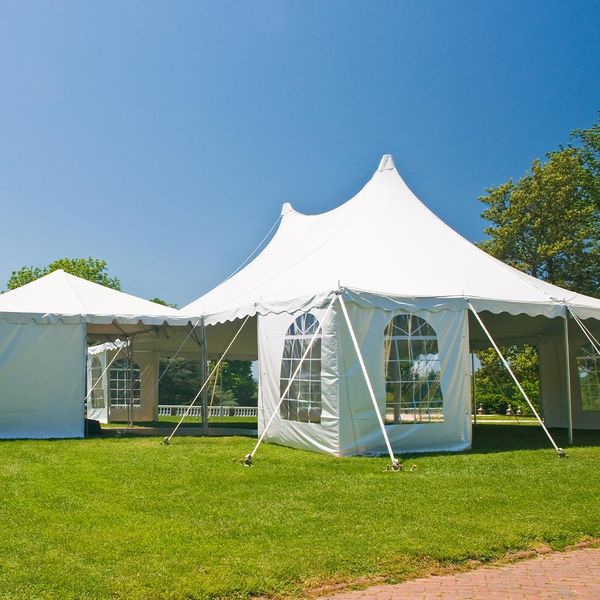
(45, 327)
(414, 291)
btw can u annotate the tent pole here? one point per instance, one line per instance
(204, 372)
(568, 377)
(474, 399)
(168, 438)
(395, 466)
(130, 374)
(561, 453)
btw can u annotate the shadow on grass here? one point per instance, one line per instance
(489, 438)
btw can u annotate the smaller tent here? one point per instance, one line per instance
(45, 328)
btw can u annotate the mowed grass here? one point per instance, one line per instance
(131, 518)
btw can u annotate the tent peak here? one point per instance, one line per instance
(286, 208)
(386, 163)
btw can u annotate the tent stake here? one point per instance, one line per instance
(561, 453)
(396, 465)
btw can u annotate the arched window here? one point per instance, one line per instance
(97, 395)
(302, 402)
(588, 367)
(119, 383)
(412, 372)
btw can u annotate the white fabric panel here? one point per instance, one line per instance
(42, 389)
(360, 432)
(312, 255)
(60, 296)
(349, 424)
(321, 437)
(553, 384)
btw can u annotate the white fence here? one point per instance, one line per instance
(178, 410)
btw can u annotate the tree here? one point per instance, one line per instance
(237, 378)
(547, 223)
(181, 382)
(157, 300)
(92, 269)
(494, 387)
(589, 152)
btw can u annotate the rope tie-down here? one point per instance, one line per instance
(167, 439)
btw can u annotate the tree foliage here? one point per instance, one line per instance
(92, 269)
(158, 300)
(234, 385)
(494, 388)
(546, 224)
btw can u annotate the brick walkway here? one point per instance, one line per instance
(561, 575)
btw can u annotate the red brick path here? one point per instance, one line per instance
(561, 575)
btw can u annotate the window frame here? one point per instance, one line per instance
(303, 401)
(121, 398)
(403, 335)
(590, 357)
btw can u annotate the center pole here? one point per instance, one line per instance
(568, 377)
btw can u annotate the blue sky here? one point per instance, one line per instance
(163, 137)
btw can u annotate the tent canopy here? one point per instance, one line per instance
(386, 248)
(60, 296)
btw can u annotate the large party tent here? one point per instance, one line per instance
(45, 328)
(381, 303)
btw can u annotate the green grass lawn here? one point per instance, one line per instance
(130, 518)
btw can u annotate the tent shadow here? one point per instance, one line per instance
(493, 439)
(489, 438)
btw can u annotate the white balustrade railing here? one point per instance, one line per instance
(178, 410)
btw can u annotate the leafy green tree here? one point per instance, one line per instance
(494, 387)
(92, 269)
(237, 378)
(157, 300)
(181, 382)
(589, 152)
(547, 223)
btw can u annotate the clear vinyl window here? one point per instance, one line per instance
(302, 402)
(588, 368)
(119, 383)
(97, 395)
(412, 372)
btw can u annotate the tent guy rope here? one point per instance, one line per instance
(561, 453)
(166, 440)
(396, 465)
(588, 334)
